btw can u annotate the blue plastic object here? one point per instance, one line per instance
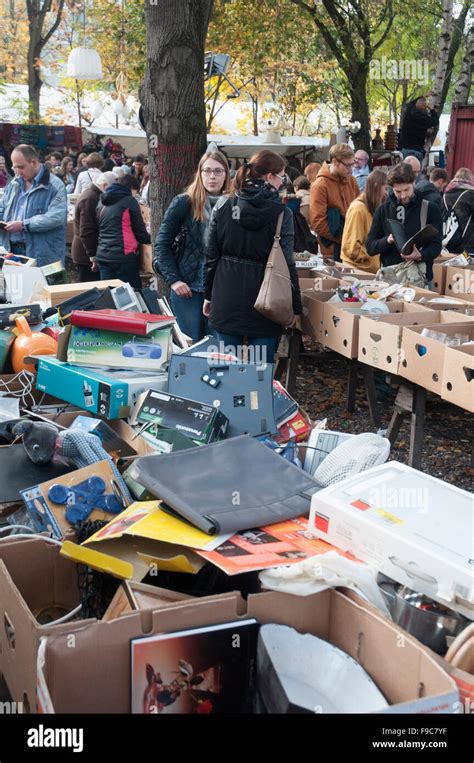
(83, 498)
(287, 451)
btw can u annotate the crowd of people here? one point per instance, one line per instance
(214, 240)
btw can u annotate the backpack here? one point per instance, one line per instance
(453, 234)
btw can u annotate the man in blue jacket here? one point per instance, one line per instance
(34, 208)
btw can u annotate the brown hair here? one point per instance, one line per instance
(340, 151)
(79, 159)
(371, 195)
(95, 160)
(196, 191)
(464, 173)
(64, 164)
(401, 173)
(438, 174)
(302, 182)
(260, 164)
(311, 170)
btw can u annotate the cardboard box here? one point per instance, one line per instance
(34, 578)
(396, 518)
(312, 316)
(103, 649)
(54, 295)
(459, 280)
(114, 349)
(380, 337)
(200, 422)
(439, 273)
(108, 393)
(423, 358)
(341, 326)
(458, 376)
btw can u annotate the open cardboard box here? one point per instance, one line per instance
(312, 317)
(340, 329)
(33, 578)
(380, 337)
(423, 358)
(459, 280)
(440, 272)
(54, 295)
(319, 283)
(78, 680)
(458, 376)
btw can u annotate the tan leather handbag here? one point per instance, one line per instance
(275, 298)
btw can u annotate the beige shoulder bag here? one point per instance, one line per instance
(275, 298)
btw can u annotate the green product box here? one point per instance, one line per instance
(113, 349)
(199, 422)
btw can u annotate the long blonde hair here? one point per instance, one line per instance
(196, 190)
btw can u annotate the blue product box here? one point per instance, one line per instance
(110, 394)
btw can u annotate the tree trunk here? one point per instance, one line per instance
(37, 12)
(360, 110)
(443, 53)
(456, 41)
(463, 85)
(172, 96)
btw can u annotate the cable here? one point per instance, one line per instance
(33, 535)
(18, 527)
(67, 617)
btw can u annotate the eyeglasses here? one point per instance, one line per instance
(209, 172)
(347, 164)
(280, 177)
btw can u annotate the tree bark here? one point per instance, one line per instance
(443, 53)
(456, 41)
(360, 109)
(37, 11)
(463, 85)
(172, 96)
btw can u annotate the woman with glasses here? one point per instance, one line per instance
(331, 195)
(180, 246)
(241, 236)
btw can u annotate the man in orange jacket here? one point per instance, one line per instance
(331, 194)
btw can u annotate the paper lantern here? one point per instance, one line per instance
(84, 63)
(97, 110)
(118, 106)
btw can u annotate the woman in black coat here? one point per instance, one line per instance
(180, 246)
(240, 239)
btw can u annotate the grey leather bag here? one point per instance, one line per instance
(233, 485)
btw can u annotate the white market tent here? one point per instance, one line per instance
(235, 146)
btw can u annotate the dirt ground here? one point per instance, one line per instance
(321, 390)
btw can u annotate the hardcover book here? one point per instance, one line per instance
(123, 321)
(199, 671)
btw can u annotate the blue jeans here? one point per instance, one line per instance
(188, 313)
(412, 152)
(264, 348)
(127, 271)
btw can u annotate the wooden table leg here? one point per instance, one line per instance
(369, 380)
(417, 427)
(293, 360)
(352, 384)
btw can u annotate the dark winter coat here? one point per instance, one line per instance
(377, 239)
(86, 226)
(240, 239)
(121, 226)
(178, 218)
(415, 125)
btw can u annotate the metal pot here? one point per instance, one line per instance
(423, 618)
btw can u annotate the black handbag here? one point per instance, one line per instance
(178, 249)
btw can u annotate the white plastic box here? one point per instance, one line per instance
(414, 528)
